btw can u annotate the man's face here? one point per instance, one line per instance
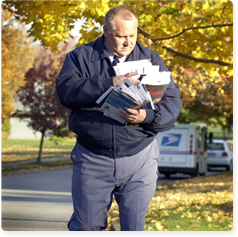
(122, 40)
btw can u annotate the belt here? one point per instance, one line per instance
(90, 108)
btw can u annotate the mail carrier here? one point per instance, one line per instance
(183, 150)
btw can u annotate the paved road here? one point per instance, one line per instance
(42, 201)
(37, 201)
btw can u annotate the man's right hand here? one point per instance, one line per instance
(118, 80)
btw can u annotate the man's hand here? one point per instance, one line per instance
(117, 80)
(157, 100)
(132, 115)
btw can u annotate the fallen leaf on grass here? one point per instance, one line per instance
(215, 216)
(208, 218)
(196, 226)
(230, 225)
(159, 226)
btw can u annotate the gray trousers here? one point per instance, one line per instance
(96, 178)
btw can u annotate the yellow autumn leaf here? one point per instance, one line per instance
(230, 225)
(38, 3)
(159, 226)
(196, 226)
(15, 62)
(208, 218)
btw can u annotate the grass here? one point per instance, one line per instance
(27, 150)
(204, 218)
(196, 204)
(22, 150)
(217, 132)
(18, 144)
(25, 168)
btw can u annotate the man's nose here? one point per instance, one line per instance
(126, 41)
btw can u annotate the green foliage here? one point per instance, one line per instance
(6, 129)
(187, 116)
(63, 133)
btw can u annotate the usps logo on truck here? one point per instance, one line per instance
(171, 140)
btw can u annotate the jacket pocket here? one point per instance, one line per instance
(87, 125)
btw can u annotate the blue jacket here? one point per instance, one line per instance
(86, 74)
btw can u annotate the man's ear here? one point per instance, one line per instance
(105, 31)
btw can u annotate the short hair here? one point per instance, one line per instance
(123, 11)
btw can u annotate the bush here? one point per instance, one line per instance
(6, 129)
(64, 132)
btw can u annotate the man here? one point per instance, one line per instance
(110, 158)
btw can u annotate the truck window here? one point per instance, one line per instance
(199, 140)
(205, 142)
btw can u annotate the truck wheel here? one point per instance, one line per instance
(195, 173)
(209, 168)
(167, 175)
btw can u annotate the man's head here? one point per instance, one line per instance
(120, 30)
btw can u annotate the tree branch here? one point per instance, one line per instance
(200, 60)
(141, 31)
(183, 31)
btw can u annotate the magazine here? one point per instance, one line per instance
(135, 96)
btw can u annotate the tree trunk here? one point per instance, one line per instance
(41, 145)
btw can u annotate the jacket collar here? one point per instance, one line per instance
(99, 51)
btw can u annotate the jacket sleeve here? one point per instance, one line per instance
(77, 86)
(167, 110)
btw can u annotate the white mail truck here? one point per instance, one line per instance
(183, 149)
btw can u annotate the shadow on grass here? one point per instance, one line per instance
(31, 155)
(225, 207)
(36, 165)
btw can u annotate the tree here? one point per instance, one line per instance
(39, 97)
(15, 62)
(213, 99)
(194, 38)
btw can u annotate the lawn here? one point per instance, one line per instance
(196, 204)
(218, 132)
(21, 150)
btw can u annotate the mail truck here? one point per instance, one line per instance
(183, 149)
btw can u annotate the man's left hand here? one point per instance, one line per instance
(132, 115)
